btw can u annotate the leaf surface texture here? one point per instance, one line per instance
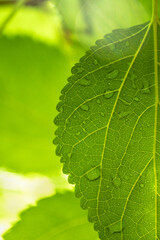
(108, 136)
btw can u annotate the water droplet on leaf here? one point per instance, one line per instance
(136, 99)
(146, 86)
(117, 182)
(115, 228)
(113, 74)
(78, 133)
(102, 114)
(124, 114)
(108, 95)
(84, 82)
(126, 103)
(84, 107)
(93, 174)
(98, 101)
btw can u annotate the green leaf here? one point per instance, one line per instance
(91, 18)
(108, 136)
(32, 21)
(31, 76)
(54, 218)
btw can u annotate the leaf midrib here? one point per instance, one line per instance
(108, 125)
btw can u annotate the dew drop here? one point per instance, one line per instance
(84, 107)
(147, 90)
(124, 114)
(84, 82)
(102, 114)
(78, 133)
(133, 77)
(108, 95)
(98, 101)
(146, 87)
(136, 99)
(141, 185)
(113, 74)
(115, 228)
(117, 182)
(126, 103)
(93, 174)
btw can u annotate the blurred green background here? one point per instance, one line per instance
(39, 43)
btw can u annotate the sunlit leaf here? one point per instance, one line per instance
(47, 221)
(39, 23)
(108, 136)
(31, 76)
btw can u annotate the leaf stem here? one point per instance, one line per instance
(155, 11)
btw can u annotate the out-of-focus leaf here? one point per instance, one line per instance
(55, 218)
(31, 76)
(39, 23)
(100, 16)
